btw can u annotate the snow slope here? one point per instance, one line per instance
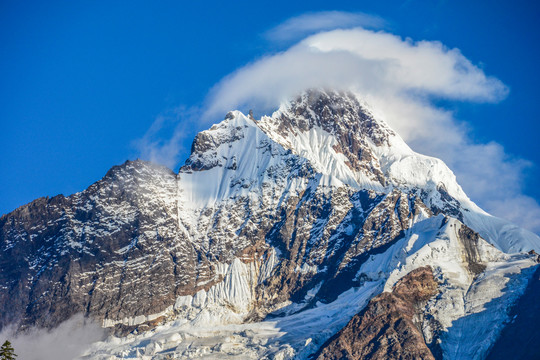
(469, 312)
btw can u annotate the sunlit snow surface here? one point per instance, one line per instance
(257, 147)
(471, 310)
(292, 336)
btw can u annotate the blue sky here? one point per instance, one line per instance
(82, 81)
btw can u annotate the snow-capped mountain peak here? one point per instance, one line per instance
(270, 238)
(334, 134)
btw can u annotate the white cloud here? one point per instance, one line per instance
(310, 23)
(367, 61)
(399, 78)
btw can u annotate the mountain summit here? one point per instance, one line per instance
(272, 236)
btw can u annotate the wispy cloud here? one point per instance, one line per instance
(307, 24)
(66, 342)
(399, 78)
(158, 145)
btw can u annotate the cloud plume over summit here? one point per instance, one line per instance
(366, 61)
(400, 79)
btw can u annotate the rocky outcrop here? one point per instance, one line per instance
(97, 252)
(389, 327)
(469, 240)
(81, 254)
(342, 115)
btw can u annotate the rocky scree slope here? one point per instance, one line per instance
(266, 219)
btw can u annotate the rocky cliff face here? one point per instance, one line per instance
(82, 253)
(390, 325)
(267, 222)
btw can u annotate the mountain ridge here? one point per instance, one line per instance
(267, 219)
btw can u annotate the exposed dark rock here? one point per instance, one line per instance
(469, 239)
(340, 114)
(387, 328)
(80, 254)
(534, 253)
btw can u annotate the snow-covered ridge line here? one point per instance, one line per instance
(475, 287)
(343, 141)
(315, 138)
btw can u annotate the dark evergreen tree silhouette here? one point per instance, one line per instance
(7, 352)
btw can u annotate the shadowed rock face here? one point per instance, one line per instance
(519, 340)
(388, 327)
(116, 251)
(469, 239)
